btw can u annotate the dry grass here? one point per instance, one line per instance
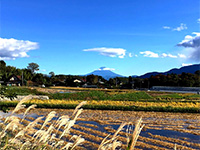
(16, 135)
(48, 133)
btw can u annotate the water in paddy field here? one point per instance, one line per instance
(161, 130)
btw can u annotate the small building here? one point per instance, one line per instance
(89, 86)
(77, 81)
(14, 80)
(176, 89)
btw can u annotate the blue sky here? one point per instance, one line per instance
(131, 37)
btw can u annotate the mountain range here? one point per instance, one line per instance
(106, 73)
(186, 69)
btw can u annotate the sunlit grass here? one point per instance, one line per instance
(19, 134)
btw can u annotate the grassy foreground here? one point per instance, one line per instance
(48, 133)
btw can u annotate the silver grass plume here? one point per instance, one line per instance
(60, 143)
(10, 118)
(27, 110)
(78, 141)
(48, 118)
(108, 144)
(63, 120)
(13, 125)
(67, 146)
(26, 145)
(79, 106)
(32, 124)
(67, 128)
(20, 106)
(135, 135)
(116, 144)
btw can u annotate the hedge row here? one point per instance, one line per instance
(109, 107)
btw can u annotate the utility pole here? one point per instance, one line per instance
(22, 79)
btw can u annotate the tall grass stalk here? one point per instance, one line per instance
(16, 134)
(135, 135)
(21, 136)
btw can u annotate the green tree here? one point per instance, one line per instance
(92, 79)
(33, 67)
(52, 74)
(2, 69)
(39, 79)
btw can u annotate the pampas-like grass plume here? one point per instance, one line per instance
(20, 104)
(135, 135)
(37, 136)
(111, 143)
(34, 135)
(48, 118)
(78, 107)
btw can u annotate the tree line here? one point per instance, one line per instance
(30, 77)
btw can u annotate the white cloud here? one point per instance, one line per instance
(163, 55)
(104, 68)
(149, 54)
(183, 64)
(182, 56)
(111, 52)
(166, 27)
(10, 49)
(181, 27)
(43, 70)
(130, 55)
(172, 56)
(191, 45)
(198, 20)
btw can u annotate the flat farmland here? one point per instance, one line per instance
(162, 130)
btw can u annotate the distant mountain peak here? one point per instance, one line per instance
(105, 72)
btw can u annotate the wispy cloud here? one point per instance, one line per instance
(104, 68)
(10, 49)
(149, 54)
(163, 55)
(110, 52)
(179, 28)
(198, 20)
(183, 64)
(130, 55)
(166, 27)
(192, 46)
(43, 70)
(182, 56)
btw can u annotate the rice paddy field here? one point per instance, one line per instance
(170, 120)
(161, 130)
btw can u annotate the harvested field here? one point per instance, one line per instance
(161, 131)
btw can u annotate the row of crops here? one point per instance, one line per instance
(116, 100)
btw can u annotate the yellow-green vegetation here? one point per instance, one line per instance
(120, 103)
(123, 105)
(117, 100)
